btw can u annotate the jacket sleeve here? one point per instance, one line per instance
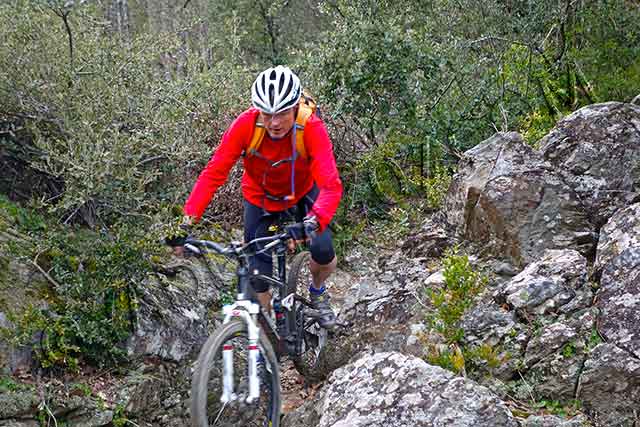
(324, 172)
(217, 170)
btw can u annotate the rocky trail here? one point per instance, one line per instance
(551, 340)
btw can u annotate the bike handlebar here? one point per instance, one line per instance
(237, 249)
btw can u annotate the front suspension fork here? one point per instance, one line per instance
(248, 312)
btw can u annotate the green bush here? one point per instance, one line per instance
(87, 308)
(461, 286)
(124, 134)
(90, 303)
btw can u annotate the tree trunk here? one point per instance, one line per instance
(118, 16)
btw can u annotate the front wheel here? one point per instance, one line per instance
(311, 338)
(207, 383)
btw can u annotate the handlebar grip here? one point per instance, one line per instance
(216, 247)
(296, 231)
(194, 243)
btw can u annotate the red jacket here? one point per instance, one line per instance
(259, 175)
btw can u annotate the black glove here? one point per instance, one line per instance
(180, 234)
(296, 231)
(311, 226)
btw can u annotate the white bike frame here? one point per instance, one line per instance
(247, 311)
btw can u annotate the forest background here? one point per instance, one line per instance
(110, 108)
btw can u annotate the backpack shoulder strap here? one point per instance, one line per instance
(304, 112)
(306, 107)
(256, 138)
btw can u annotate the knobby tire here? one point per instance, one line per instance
(206, 386)
(298, 282)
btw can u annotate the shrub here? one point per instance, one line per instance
(87, 307)
(461, 286)
(122, 134)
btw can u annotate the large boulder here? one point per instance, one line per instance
(377, 310)
(622, 231)
(619, 296)
(520, 200)
(610, 386)
(508, 197)
(597, 152)
(538, 326)
(619, 301)
(395, 390)
(548, 284)
(172, 321)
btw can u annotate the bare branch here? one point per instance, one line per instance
(446, 89)
(64, 15)
(44, 273)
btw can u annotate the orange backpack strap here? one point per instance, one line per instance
(256, 138)
(304, 112)
(306, 107)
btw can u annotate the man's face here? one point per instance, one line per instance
(279, 124)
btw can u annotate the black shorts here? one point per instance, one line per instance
(257, 222)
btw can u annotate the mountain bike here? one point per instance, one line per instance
(236, 381)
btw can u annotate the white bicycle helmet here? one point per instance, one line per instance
(276, 89)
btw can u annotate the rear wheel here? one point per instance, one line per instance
(311, 338)
(206, 388)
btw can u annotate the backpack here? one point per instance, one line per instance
(306, 107)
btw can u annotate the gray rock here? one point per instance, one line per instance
(506, 196)
(622, 231)
(556, 376)
(394, 390)
(553, 421)
(19, 404)
(610, 386)
(430, 240)
(548, 284)
(552, 338)
(157, 393)
(173, 315)
(619, 301)
(597, 151)
(19, 423)
(487, 323)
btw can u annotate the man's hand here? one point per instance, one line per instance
(310, 227)
(177, 237)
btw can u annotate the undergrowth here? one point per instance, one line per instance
(85, 309)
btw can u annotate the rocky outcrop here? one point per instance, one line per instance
(172, 321)
(610, 386)
(384, 293)
(618, 299)
(508, 197)
(394, 390)
(22, 409)
(539, 325)
(596, 150)
(545, 319)
(549, 284)
(621, 232)
(521, 201)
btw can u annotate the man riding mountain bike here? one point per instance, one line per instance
(291, 164)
